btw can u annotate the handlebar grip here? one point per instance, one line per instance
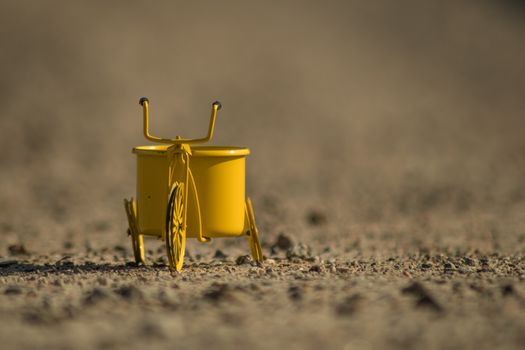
(142, 100)
(218, 104)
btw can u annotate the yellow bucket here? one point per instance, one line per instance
(219, 174)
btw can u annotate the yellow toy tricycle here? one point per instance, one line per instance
(189, 191)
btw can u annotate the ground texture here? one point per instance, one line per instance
(353, 294)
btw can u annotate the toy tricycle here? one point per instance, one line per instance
(189, 191)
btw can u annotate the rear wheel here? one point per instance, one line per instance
(253, 233)
(137, 240)
(175, 230)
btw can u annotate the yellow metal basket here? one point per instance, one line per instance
(219, 176)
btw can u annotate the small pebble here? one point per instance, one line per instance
(300, 250)
(101, 226)
(316, 268)
(218, 292)
(151, 329)
(243, 260)
(350, 305)
(426, 266)
(316, 218)
(17, 249)
(57, 283)
(507, 290)
(95, 295)
(423, 298)
(449, 267)
(468, 261)
(13, 290)
(269, 262)
(283, 242)
(120, 249)
(129, 292)
(219, 255)
(295, 293)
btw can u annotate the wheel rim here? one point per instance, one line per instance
(138, 248)
(137, 241)
(255, 246)
(253, 237)
(175, 231)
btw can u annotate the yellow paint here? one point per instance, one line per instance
(219, 180)
(152, 190)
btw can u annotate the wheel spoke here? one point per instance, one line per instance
(179, 205)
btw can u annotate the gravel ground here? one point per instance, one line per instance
(350, 295)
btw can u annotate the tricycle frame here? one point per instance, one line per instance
(181, 184)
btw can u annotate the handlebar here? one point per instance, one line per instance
(144, 102)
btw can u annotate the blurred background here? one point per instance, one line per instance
(363, 112)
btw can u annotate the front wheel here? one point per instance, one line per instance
(175, 230)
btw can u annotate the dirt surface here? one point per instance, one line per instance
(386, 173)
(83, 297)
